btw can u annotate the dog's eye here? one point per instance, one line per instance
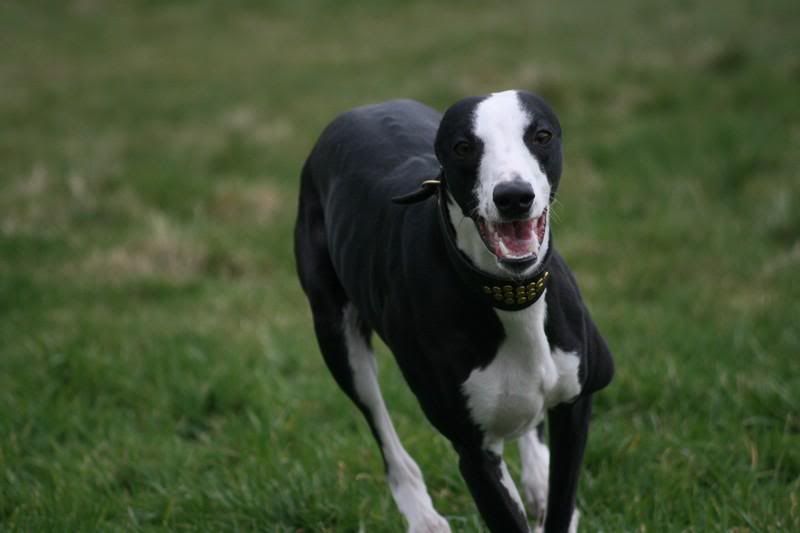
(464, 149)
(541, 137)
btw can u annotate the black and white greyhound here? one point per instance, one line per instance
(434, 231)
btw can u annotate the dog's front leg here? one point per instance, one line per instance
(568, 429)
(492, 488)
(535, 461)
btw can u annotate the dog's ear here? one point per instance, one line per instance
(426, 189)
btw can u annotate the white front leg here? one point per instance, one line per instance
(535, 458)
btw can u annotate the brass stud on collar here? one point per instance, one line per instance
(517, 294)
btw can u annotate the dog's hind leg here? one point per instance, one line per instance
(535, 459)
(344, 342)
(404, 476)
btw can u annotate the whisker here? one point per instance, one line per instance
(555, 215)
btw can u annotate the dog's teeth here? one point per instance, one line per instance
(503, 249)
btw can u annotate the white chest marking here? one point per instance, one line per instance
(512, 393)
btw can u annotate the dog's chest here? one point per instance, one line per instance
(511, 394)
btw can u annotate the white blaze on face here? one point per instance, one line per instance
(500, 123)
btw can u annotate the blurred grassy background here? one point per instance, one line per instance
(157, 368)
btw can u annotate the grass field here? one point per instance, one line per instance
(157, 367)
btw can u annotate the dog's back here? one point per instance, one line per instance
(367, 145)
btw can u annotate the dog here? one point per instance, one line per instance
(434, 231)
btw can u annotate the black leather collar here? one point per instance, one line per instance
(508, 294)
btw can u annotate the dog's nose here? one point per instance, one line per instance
(513, 198)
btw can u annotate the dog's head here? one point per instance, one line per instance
(501, 159)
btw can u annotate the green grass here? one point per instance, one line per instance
(157, 368)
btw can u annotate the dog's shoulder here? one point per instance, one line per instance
(569, 326)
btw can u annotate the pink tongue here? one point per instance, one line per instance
(516, 235)
(523, 229)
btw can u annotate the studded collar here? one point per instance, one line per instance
(503, 293)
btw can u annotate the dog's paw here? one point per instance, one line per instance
(573, 524)
(537, 519)
(429, 523)
(534, 492)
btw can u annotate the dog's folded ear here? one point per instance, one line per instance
(426, 189)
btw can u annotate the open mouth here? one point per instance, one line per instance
(513, 241)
